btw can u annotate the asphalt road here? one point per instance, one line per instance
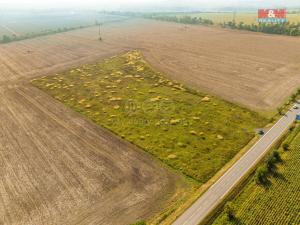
(216, 193)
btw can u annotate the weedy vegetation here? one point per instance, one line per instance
(193, 133)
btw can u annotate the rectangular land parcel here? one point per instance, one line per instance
(193, 133)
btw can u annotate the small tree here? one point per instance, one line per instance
(271, 163)
(6, 39)
(293, 97)
(276, 156)
(229, 210)
(261, 175)
(279, 110)
(286, 146)
(292, 127)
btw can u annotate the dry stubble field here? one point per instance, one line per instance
(256, 70)
(57, 168)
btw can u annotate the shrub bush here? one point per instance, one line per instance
(285, 146)
(261, 175)
(230, 212)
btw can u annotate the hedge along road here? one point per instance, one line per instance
(216, 193)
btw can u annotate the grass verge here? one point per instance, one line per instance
(277, 201)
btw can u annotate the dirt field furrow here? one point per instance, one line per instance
(251, 64)
(58, 168)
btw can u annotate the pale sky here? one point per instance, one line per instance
(140, 4)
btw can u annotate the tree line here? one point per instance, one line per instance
(12, 38)
(184, 19)
(287, 28)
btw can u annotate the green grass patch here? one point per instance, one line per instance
(275, 203)
(193, 133)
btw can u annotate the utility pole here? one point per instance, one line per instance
(234, 17)
(100, 38)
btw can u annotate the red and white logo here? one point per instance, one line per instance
(272, 15)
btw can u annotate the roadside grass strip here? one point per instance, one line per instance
(278, 203)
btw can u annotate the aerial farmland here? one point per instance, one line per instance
(126, 120)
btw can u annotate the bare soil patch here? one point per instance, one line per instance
(58, 168)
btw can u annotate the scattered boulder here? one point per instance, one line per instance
(115, 99)
(174, 121)
(193, 132)
(157, 124)
(128, 76)
(182, 145)
(205, 99)
(81, 101)
(220, 137)
(155, 99)
(172, 156)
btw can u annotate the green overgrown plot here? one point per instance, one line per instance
(193, 133)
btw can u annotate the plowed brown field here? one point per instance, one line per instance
(253, 69)
(256, 70)
(58, 168)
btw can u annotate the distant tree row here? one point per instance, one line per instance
(123, 13)
(7, 38)
(291, 29)
(184, 19)
(293, 12)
